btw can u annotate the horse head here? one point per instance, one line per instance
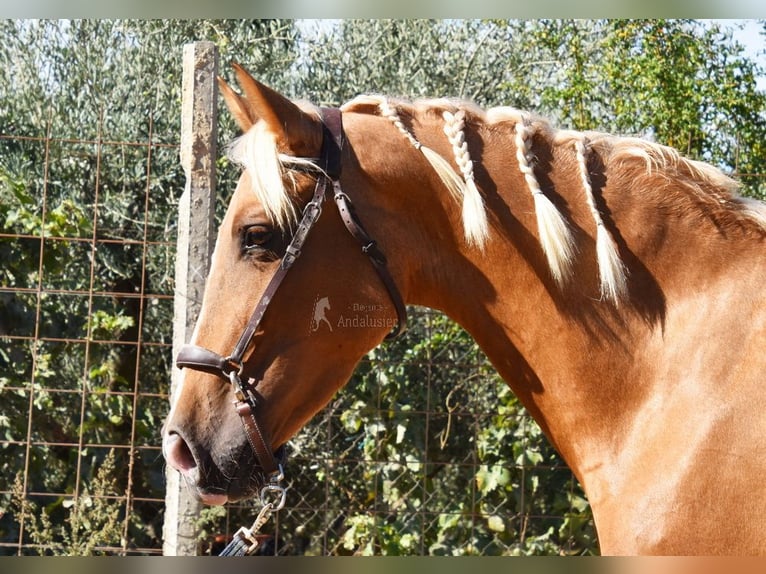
(287, 367)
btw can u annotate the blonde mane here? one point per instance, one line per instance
(271, 173)
(272, 178)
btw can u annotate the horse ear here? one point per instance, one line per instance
(237, 106)
(295, 130)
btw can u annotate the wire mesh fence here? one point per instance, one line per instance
(393, 465)
(85, 304)
(442, 466)
(425, 451)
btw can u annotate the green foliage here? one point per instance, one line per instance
(686, 84)
(89, 183)
(431, 454)
(425, 451)
(412, 58)
(90, 521)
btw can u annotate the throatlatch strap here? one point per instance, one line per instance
(332, 119)
(371, 249)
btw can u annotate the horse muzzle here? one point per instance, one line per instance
(179, 456)
(216, 482)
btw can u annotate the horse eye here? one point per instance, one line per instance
(256, 236)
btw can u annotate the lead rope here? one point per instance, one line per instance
(245, 541)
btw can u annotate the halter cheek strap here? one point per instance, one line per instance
(231, 367)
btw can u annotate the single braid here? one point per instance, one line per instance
(580, 151)
(612, 272)
(454, 124)
(474, 211)
(391, 114)
(521, 139)
(555, 236)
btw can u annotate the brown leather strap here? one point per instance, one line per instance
(261, 447)
(334, 128)
(371, 249)
(332, 146)
(310, 214)
(330, 159)
(201, 359)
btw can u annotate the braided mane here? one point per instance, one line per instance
(707, 186)
(556, 238)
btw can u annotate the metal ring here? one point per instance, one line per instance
(274, 488)
(238, 365)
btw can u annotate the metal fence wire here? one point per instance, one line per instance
(405, 460)
(424, 452)
(85, 306)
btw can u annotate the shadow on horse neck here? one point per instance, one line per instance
(615, 285)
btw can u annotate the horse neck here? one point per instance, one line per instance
(580, 365)
(625, 393)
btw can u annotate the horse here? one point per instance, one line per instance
(614, 284)
(321, 306)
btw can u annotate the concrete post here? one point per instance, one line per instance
(196, 239)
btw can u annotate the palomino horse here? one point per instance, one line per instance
(616, 286)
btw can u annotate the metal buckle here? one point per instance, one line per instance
(274, 488)
(316, 207)
(241, 391)
(291, 254)
(247, 535)
(237, 366)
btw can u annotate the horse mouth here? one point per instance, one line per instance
(209, 482)
(209, 498)
(215, 490)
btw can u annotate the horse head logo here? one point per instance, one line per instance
(321, 306)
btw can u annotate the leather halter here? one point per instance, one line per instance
(232, 366)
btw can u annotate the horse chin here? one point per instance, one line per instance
(213, 499)
(215, 496)
(239, 488)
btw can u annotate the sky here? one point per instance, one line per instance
(751, 37)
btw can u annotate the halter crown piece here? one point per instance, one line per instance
(231, 367)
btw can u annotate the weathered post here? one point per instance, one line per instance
(196, 239)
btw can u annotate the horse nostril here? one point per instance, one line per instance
(178, 453)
